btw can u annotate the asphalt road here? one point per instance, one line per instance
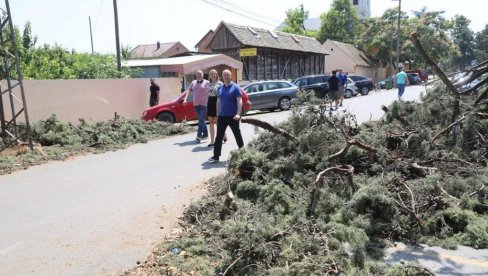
(99, 214)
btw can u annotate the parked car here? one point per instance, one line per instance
(316, 83)
(351, 89)
(387, 83)
(271, 95)
(413, 78)
(363, 84)
(422, 74)
(175, 111)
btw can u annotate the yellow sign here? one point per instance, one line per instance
(248, 52)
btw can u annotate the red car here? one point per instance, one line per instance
(175, 111)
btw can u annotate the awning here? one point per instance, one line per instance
(188, 64)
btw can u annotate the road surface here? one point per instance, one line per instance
(100, 214)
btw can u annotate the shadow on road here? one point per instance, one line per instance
(202, 148)
(187, 143)
(208, 166)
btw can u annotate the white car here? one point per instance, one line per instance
(351, 89)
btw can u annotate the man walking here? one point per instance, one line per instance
(333, 90)
(342, 85)
(401, 81)
(199, 89)
(154, 97)
(229, 110)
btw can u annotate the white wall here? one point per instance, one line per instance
(93, 100)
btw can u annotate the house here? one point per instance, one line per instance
(267, 54)
(157, 50)
(202, 45)
(184, 67)
(351, 60)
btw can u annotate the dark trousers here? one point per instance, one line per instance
(222, 123)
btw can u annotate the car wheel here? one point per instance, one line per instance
(284, 103)
(364, 90)
(348, 93)
(166, 117)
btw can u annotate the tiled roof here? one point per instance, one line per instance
(250, 36)
(152, 51)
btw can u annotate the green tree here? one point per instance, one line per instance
(294, 22)
(481, 44)
(433, 30)
(339, 23)
(377, 36)
(463, 37)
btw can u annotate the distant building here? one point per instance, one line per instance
(266, 54)
(351, 60)
(363, 8)
(202, 45)
(158, 50)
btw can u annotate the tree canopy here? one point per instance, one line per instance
(339, 23)
(56, 62)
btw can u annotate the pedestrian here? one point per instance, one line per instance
(333, 90)
(401, 80)
(342, 85)
(213, 89)
(229, 110)
(154, 97)
(199, 89)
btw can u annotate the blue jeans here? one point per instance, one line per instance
(202, 127)
(401, 89)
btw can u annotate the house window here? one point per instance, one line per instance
(355, 2)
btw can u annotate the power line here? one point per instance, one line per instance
(98, 15)
(238, 13)
(249, 11)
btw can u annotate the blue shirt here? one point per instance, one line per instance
(401, 78)
(228, 95)
(342, 79)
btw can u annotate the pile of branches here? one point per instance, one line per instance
(56, 140)
(321, 195)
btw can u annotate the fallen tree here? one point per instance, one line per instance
(320, 195)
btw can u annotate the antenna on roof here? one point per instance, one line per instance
(252, 30)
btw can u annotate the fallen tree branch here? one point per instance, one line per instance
(231, 265)
(480, 97)
(423, 169)
(477, 191)
(267, 126)
(397, 117)
(446, 129)
(349, 144)
(318, 180)
(433, 64)
(446, 193)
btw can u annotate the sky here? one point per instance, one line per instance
(66, 22)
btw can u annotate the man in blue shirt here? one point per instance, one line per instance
(401, 80)
(342, 85)
(229, 110)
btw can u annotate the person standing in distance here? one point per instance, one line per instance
(229, 110)
(342, 85)
(199, 89)
(214, 85)
(154, 97)
(401, 80)
(333, 90)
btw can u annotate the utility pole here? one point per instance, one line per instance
(91, 35)
(116, 16)
(398, 35)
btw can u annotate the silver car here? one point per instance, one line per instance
(271, 95)
(351, 89)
